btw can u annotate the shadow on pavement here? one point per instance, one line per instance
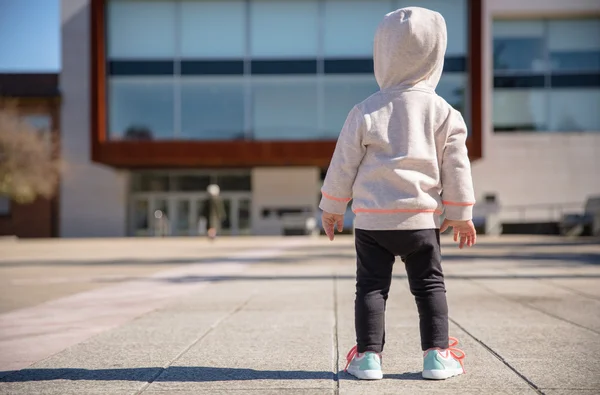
(188, 279)
(312, 257)
(171, 374)
(396, 376)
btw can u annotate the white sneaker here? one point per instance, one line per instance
(441, 364)
(365, 366)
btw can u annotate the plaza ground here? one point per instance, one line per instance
(275, 316)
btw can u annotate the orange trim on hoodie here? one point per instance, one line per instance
(394, 211)
(344, 200)
(462, 204)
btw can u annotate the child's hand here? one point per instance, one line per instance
(329, 221)
(465, 230)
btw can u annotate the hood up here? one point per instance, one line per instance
(409, 48)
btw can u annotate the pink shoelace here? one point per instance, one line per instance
(351, 354)
(456, 353)
(353, 351)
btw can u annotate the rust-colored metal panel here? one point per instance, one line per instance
(98, 76)
(139, 154)
(476, 78)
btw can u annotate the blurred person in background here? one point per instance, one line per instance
(216, 211)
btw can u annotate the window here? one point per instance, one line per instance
(141, 29)
(204, 33)
(189, 181)
(547, 75)
(212, 108)
(284, 29)
(340, 94)
(285, 108)
(217, 70)
(350, 26)
(141, 108)
(4, 206)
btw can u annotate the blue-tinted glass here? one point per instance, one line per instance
(350, 26)
(452, 88)
(204, 33)
(141, 29)
(518, 54)
(574, 110)
(341, 93)
(575, 61)
(574, 44)
(284, 29)
(520, 110)
(285, 108)
(212, 108)
(141, 108)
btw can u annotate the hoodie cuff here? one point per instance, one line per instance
(333, 205)
(459, 212)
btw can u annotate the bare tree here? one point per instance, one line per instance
(29, 167)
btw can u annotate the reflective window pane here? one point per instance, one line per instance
(452, 87)
(139, 29)
(574, 44)
(213, 29)
(340, 95)
(574, 110)
(245, 217)
(284, 108)
(520, 110)
(150, 182)
(234, 182)
(141, 108)
(190, 183)
(519, 46)
(181, 224)
(284, 29)
(350, 26)
(140, 217)
(4, 205)
(212, 108)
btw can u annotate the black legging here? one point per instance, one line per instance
(376, 251)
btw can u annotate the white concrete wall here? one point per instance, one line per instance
(92, 197)
(282, 187)
(532, 168)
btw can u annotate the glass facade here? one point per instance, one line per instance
(547, 75)
(253, 70)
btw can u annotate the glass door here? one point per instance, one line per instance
(141, 217)
(244, 215)
(188, 214)
(182, 217)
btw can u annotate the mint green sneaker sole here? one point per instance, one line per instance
(365, 374)
(441, 374)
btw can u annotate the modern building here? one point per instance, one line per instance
(162, 97)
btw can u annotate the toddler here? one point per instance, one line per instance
(402, 160)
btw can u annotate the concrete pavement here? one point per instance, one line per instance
(275, 316)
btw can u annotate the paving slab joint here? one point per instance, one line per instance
(196, 341)
(336, 348)
(499, 357)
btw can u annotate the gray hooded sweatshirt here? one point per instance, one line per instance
(401, 155)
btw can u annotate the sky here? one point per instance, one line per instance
(29, 36)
